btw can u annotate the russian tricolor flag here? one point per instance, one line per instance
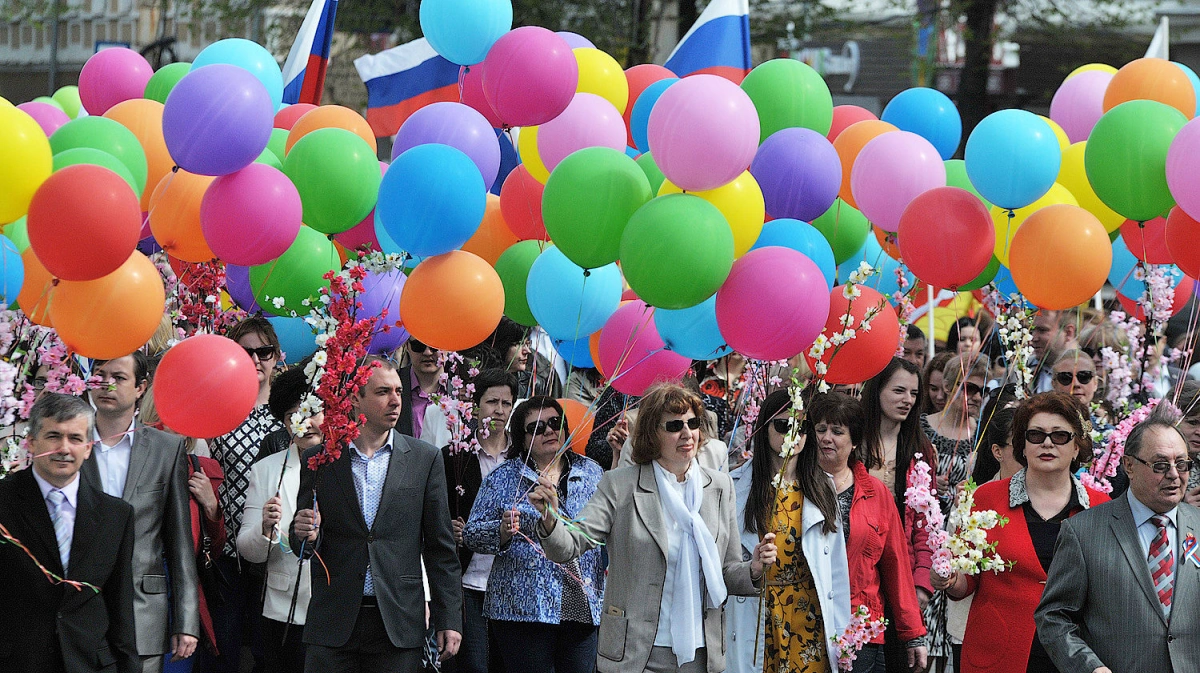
(718, 43)
(304, 70)
(402, 80)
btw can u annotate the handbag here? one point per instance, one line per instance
(212, 583)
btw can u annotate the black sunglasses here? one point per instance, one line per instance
(537, 427)
(263, 352)
(1163, 466)
(782, 425)
(972, 390)
(1084, 377)
(676, 425)
(1058, 437)
(416, 346)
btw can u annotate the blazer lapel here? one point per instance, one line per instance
(87, 524)
(397, 467)
(645, 501)
(343, 477)
(37, 518)
(139, 455)
(1126, 534)
(710, 507)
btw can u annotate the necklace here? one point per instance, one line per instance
(840, 484)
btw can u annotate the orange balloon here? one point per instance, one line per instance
(144, 117)
(1060, 257)
(849, 143)
(452, 301)
(331, 116)
(493, 236)
(34, 297)
(581, 420)
(594, 348)
(1152, 79)
(113, 316)
(175, 216)
(887, 241)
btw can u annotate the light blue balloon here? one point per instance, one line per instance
(1004, 282)
(568, 304)
(885, 280)
(296, 338)
(632, 152)
(1121, 275)
(928, 113)
(639, 117)
(1195, 80)
(463, 31)
(12, 271)
(577, 353)
(387, 245)
(801, 237)
(249, 56)
(693, 332)
(431, 199)
(1013, 158)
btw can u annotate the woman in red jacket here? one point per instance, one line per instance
(1050, 436)
(876, 548)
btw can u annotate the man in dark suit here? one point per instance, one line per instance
(74, 531)
(420, 379)
(382, 510)
(1123, 587)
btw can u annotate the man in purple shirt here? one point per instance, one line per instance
(422, 378)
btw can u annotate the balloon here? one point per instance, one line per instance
(639, 114)
(638, 78)
(773, 305)
(94, 157)
(580, 418)
(788, 93)
(869, 351)
(1147, 240)
(1182, 236)
(27, 161)
(68, 98)
(575, 41)
(531, 158)
(567, 301)
(143, 118)
(1079, 103)
(529, 76)
(36, 287)
(1059, 134)
(332, 117)
(452, 301)
(337, 176)
(105, 135)
(237, 284)
(47, 116)
(217, 120)
(513, 269)
(983, 278)
(672, 233)
(1124, 274)
(634, 354)
(521, 204)
(268, 158)
(12, 271)
(288, 115)
(587, 202)
(1073, 176)
(655, 176)
(112, 316)
(1183, 166)
(928, 113)
(381, 297)
(296, 275)
(1060, 257)
(110, 76)
(1012, 158)
(159, 86)
(885, 281)
(1192, 77)
(1153, 79)
(956, 176)
(693, 332)
(1126, 158)
(471, 93)
(175, 216)
(493, 236)
(209, 386)
(17, 232)
(844, 228)
(849, 144)
(741, 202)
(844, 116)
(946, 237)
(296, 338)
(703, 131)
(431, 200)
(801, 237)
(249, 56)
(1101, 67)
(458, 126)
(890, 172)
(589, 121)
(799, 172)
(1007, 227)
(600, 74)
(251, 216)
(463, 31)
(1183, 291)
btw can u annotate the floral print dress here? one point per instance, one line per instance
(795, 634)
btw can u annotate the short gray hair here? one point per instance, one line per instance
(59, 408)
(1165, 416)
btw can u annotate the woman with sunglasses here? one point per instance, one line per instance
(543, 615)
(1050, 438)
(670, 530)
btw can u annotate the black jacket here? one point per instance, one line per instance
(462, 469)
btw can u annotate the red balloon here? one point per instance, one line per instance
(1182, 237)
(868, 352)
(639, 77)
(521, 205)
(206, 386)
(844, 116)
(1183, 292)
(1147, 242)
(946, 237)
(287, 117)
(472, 93)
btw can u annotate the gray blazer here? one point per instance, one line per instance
(1100, 608)
(156, 486)
(626, 515)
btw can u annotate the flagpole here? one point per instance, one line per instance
(932, 324)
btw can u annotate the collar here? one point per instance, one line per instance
(1019, 495)
(1142, 513)
(668, 477)
(415, 384)
(386, 448)
(71, 490)
(128, 434)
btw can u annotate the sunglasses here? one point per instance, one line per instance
(972, 390)
(1057, 438)
(1084, 377)
(535, 428)
(416, 346)
(262, 352)
(1163, 467)
(676, 425)
(781, 425)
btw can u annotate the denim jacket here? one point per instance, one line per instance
(525, 586)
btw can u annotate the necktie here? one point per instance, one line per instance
(62, 529)
(1162, 563)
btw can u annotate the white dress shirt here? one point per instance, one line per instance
(113, 461)
(674, 544)
(70, 504)
(1146, 529)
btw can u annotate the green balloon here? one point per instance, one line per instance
(297, 275)
(268, 157)
(48, 101)
(68, 100)
(164, 79)
(337, 175)
(789, 93)
(90, 155)
(278, 143)
(845, 228)
(676, 251)
(650, 168)
(1126, 158)
(105, 135)
(513, 268)
(1114, 235)
(956, 176)
(18, 233)
(985, 277)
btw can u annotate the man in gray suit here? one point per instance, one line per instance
(147, 468)
(1122, 590)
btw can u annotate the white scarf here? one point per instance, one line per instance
(696, 541)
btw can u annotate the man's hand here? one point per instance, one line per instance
(923, 598)
(918, 658)
(448, 642)
(459, 526)
(306, 524)
(272, 513)
(183, 646)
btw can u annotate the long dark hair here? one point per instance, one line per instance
(910, 441)
(814, 483)
(520, 440)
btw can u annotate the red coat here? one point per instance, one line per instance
(216, 531)
(878, 558)
(920, 555)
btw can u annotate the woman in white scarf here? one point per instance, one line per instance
(672, 537)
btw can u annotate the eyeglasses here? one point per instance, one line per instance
(1163, 467)
(537, 427)
(262, 352)
(972, 389)
(782, 425)
(676, 425)
(416, 346)
(1057, 438)
(1084, 377)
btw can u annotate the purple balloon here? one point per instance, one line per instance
(217, 120)
(575, 40)
(799, 173)
(46, 115)
(148, 246)
(382, 291)
(457, 125)
(1079, 103)
(237, 284)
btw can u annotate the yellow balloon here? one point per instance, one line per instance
(600, 74)
(1102, 67)
(527, 148)
(4, 102)
(27, 161)
(1063, 141)
(740, 201)
(1005, 230)
(1073, 176)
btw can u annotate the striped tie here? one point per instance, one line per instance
(62, 529)
(1162, 563)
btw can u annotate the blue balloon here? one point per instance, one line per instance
(568, 303)
(928, 113)
(389, 246)
(431, 199)
(577, 353)
(693, 332)
(296, 338)
(632, 152)
(885, 280)
(1191, 74)
(463, 31)
(1004, 282)
(1121, 274)
(1013, 158)
(801, 237)
(249, 56)
(12, 271)
(509, 160)
(639, 117)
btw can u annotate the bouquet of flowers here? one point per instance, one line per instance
(967, 551)
(860, 631)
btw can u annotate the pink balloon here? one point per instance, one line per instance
(471, 92)
(529, 76)
(362, 233)
(634, 354)
(891, 171)
(703, 132)
(1183, 165)
(111, 76)
(773, 305)
(287, 117)
(589, 121)
(1079, 103)
(46, 115)
(251, 216)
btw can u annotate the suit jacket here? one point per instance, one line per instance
(254, 547)
(404, 425)
(1100, 608)
(626, 515)
(412, 523)
(462, 470)
(47, 627)
(156, 487)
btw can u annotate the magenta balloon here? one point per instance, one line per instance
(703, 132)
(1183, 165)
(252, 216)
(633, 353)
(589, 121)
(457, 125)
(46, 115)
(363, 233)
(773, 305)
(575, 40)
(471, 91)
(1079, 103)
(891, 171)
(529, 76)
(111, 76)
